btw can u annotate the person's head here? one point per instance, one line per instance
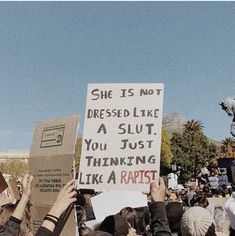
(174, 211)
(116, 225)
(197, 221)
(130, 214)
(202, 202)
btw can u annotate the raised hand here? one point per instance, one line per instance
(158, 194)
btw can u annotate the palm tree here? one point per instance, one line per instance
(228, 147)
(193, 126)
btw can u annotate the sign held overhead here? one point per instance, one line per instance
(122, 136)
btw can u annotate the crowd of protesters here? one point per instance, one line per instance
(186, 212)
(214, 180)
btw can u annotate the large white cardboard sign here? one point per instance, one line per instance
(122, 136)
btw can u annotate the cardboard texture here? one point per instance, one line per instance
(55, 137)
(51, 163)
(121, 137)
(3, 183)
(66, 225)
(50, 173)
(38, 213)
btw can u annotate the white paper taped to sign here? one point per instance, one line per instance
(111, 202)
(122, 136)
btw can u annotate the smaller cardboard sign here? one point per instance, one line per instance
(111, 202)
(3, 183)
(122, 136)
(51, 162)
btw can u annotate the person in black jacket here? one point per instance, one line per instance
(159, 222)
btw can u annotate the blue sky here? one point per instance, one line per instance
(50, 51)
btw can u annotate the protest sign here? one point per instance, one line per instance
(51, 161)
(122, 136)
(114, 201)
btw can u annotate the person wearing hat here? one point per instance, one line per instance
(197, 221)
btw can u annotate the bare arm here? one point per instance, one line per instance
(65, 197)
(26, 184)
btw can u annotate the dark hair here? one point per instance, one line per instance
(115, 224)
(108, 225)
(130, 214)
(81, 200)
(200, 199)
